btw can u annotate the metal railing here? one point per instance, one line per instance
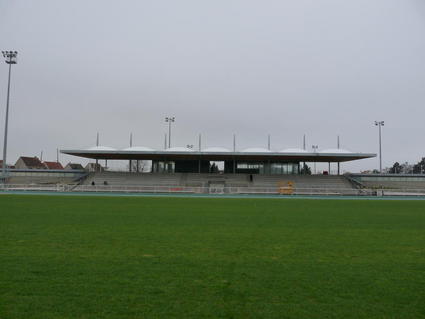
(156, 189)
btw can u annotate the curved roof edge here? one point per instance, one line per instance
(335, 151)
(101, 148)
(293, 150)
(139, 149)
(216, 150)
(179, 149)
(256, 150)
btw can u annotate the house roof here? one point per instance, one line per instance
(33, 162)
(53, 165)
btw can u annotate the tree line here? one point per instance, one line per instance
(406, 168)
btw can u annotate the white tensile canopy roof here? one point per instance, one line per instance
(218, 154)
(218, 150)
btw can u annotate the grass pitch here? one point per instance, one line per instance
(129, 257)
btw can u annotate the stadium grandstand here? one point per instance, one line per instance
(216, 170)
(211, 170)
(249, 161)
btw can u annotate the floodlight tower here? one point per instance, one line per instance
(169, 120)
(380, 124)
(10, 58)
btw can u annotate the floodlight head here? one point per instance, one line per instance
(10, 56)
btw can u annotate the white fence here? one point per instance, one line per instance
(210, 190)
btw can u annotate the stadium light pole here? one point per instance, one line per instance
(339, 163)
(315, 147)
(131, 145)
(304, 150)
(380, 124)
(10, 58)
(268, 142)
(169, 120)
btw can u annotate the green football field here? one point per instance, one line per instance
(141, 257)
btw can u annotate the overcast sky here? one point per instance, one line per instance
(285, 68)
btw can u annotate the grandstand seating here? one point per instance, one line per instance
(303, 181)
(354, 184)
(394, 184)
(133, 179)
(270, 182)
(390, 181)
(44, 179)
(39, 180)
